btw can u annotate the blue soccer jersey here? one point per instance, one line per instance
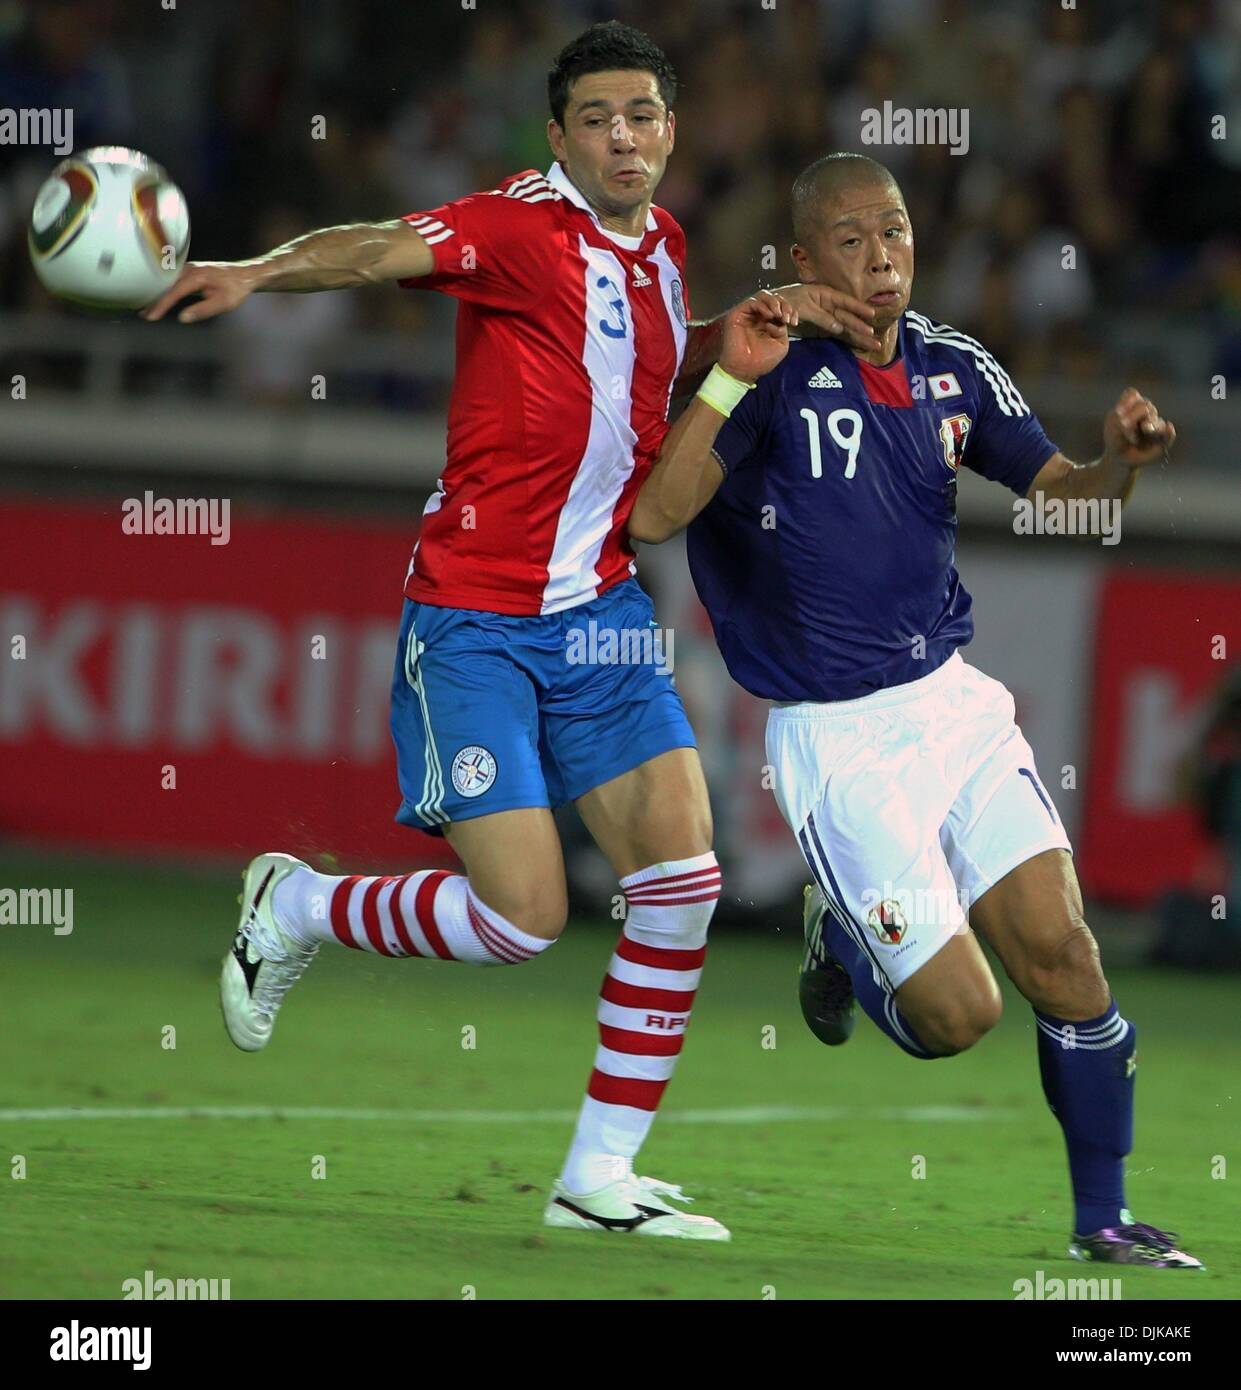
(825, 560)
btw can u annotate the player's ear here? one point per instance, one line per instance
(555, 137)
(801, 261)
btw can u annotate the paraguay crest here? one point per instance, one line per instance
(678, 301)
(953, 432)
(473, 770)
(887, 921)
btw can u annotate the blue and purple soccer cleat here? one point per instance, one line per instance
(1133, 1243)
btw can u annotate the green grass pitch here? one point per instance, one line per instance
(821, 1195)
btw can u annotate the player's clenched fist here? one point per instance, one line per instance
(756, 335)
(222, 286)
(1134, 433)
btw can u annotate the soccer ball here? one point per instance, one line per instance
(109, 229)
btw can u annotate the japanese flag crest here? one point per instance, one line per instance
(953, 432)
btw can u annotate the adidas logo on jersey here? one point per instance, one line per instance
(640, 278)
(825, 377)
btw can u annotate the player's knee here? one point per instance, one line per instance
(955, 1025)
(1061, 972)
(537, 910)
(543, 919)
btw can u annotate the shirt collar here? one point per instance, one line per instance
(563, 185)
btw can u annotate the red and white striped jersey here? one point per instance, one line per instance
(569, 338)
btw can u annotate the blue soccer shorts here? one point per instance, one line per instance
(496, 713)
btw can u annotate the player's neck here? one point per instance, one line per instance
(885, 354)
(625, 224)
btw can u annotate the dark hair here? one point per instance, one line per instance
(824, 179)
(607, 47)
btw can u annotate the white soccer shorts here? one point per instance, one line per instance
(908, 805)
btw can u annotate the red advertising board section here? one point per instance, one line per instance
(179, 695)
(1163, 645)
(182, 696)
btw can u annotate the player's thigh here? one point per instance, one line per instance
(866, 809)
(1011, 855)
(656, 811)
(866, 805)
(515, 864)
(1032, 918)
(616, 740)
(466, 727)
(910, 928)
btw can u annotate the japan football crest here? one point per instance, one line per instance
(953, 432)
(888, 922)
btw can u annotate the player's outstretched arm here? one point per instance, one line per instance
(336, 258)
(1134, 434)
(686, 475)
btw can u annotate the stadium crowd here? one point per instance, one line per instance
(1097, 127)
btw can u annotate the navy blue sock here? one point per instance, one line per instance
(874, 998)
(1088, 1078)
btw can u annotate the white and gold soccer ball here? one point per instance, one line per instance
(109, 229)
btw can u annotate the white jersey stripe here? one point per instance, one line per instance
(953, 337)
(607, 461)
(427, 224)
(1006, 394)
(530, 182)
(668, 276)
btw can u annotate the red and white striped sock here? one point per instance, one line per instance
(644, 1009)
(431, 913)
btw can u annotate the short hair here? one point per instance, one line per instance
(607, 47)
(825, 178)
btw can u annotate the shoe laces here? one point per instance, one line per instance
(282, 966)
(663, 1189)
(1142, 1234)
(265, 939)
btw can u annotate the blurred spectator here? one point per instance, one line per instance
(1092, 127)
(280, 337)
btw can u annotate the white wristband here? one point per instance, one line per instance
(723, 392)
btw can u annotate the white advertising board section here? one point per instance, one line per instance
(1034, 629)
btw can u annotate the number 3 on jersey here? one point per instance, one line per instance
(850, 441)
